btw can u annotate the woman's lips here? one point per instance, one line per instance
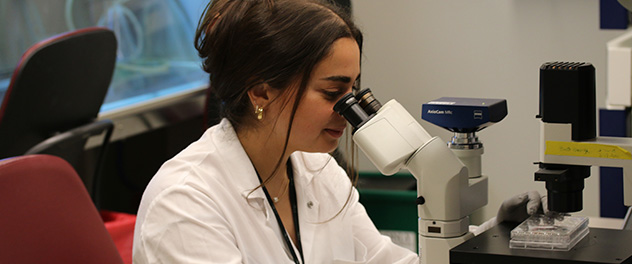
(335, 133)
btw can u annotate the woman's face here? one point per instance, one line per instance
(317, 127)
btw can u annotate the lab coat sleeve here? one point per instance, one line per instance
(379, 248)
(183, 225)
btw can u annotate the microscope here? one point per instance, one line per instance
(450, 185)
(568, 147)
(568, 141)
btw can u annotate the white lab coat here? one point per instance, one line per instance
(200, 208)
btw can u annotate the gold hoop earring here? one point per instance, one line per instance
(259, 112)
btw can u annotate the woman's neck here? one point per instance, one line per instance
(264, 153)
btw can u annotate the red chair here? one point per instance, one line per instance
(48, 216)
(121, 228)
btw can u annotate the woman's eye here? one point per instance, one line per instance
(332, 95)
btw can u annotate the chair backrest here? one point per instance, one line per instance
(69, 145)
(47, 215)
(59, 84)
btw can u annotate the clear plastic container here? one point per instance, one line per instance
(549, 233)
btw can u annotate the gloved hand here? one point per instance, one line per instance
(517, 209)
(520, 207)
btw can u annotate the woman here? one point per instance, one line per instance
(278, 68)
(260, 187)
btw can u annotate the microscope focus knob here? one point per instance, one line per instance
(420, 200)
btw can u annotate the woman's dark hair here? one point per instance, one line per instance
(244, 43)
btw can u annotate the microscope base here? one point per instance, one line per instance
(437, 250)
(492, 246)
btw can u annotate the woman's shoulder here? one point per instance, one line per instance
(205, 164)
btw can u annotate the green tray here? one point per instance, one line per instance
(389, 201)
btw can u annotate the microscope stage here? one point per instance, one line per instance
(492, 246)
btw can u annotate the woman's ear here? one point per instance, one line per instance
(262, 95)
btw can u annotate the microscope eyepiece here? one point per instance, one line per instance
(368, 102)
(349, 108)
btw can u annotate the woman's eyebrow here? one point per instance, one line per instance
(339, 78)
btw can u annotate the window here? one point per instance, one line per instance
(155, 56)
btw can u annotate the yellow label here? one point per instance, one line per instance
(586, 150)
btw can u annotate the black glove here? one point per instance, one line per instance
(517, 209)
(520, 207)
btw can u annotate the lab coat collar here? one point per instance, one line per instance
(309, 166)
(245, 180)
(303, 178)
(244, 176)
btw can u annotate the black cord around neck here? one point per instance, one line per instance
(293, 204)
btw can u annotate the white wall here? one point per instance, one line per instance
(419, 50)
